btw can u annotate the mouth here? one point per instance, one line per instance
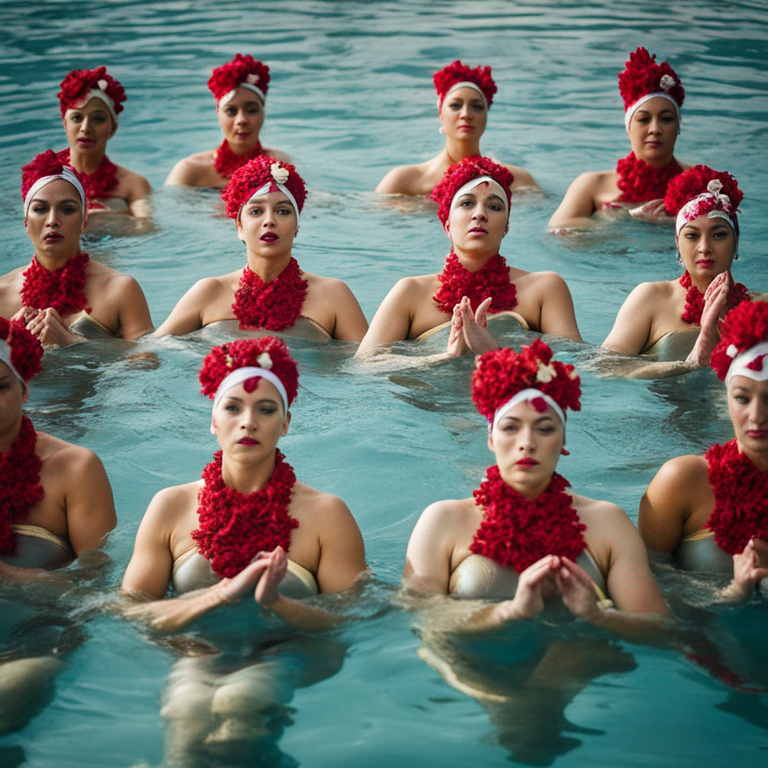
(705, 263)
(269, 237)
(242, 134)
(757, 434)
(478, 231)
(85, 142)
(53, 237)
(527, 462)
(247, 441)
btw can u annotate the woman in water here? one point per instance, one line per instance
(55, 507)
(240, 89)
(652, 95)
(711, 512)
(265, 198)
(473, 198)
(676, 320)
(247, 531)
(523, 539)
(464, 96)
(90, 102)
(63, 296)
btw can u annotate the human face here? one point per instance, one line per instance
(653, 131)
(477, 221)
(54, 220)
(748, 408)
(267, 225)
(464, 115)
(248, 425)
(241, 119)
(527, 447)
(89, 127)
(707, 247)
(12, 394)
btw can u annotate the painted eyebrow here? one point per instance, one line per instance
(76, 201)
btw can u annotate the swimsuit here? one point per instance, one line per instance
(511, 321)
(37, 547)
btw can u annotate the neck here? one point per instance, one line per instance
(240, 150)
(701, 283)
(245, 477)
(759, 459)
(268, 268)
(52, 263)
(86, 163)
(528, 491)
(455, 151)
(474, 261)
(8, 437)
(657, 162)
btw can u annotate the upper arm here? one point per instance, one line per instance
(666, 505)
(578, 203)
(181, 174)
(350, 324)
(557, 313)
(149, 570)
(392, 321)
(522, 178)
(632, 328)
(342, 553)
(89, 503)
(398, 181)
(138, 199)
(630, 582)
(428, 557)
(187, 315)
(134, 317)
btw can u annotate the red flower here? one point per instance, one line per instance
(26, 350)
(240, 70)
(75, 86)
(743, 328)
(642, 76)
(456, 72)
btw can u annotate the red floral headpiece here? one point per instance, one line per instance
(268, 352)
(701, 190)
(643, 78)
(460, 174)
(457, 72)
(744, 327)
(46, 167)
(502, 373)
(24, 350)
(79, 83)
(257, 173)
(242, 70)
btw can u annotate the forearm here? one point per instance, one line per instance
(640, 627)
(307, 618)
(174, 614)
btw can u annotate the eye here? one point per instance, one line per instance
(268, 410)
(254, 110)
(478, 107)
(255, 211)
(68, 209)
(230, 111)
(690, 235)
(496, 207)
(741, 399)
(38, 208)
(285, 211)
(231, 408)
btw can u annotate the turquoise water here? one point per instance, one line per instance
(350, 97)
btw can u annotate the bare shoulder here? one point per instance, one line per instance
(136, 183)
(522, 177)
(71, 459)
(330, 285)
(598, 513)
(173, 503)
(450, 515)
(405, 180)
(193, 169)
(322, 508)
(682, 471)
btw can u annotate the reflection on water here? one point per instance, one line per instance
(350, 97)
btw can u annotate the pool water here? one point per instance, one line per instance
(350, 97)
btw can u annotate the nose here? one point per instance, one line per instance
(655, 126)
(526, 441)
(269, 218)
(480, 213)
(758, 411)
(466, 112)
(248, 420)
(52, 218)
(241, 117)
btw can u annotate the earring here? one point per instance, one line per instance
(441, 129)
(736, 255)
(679, 259)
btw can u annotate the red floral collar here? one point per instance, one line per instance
(61, 289)
(694, 299)
(234, 526)
(19, 484)
(491, 280)
(226, 162)
(640, 182)
(98, 185)
(274, 305)
(517, 532)
(741, 498)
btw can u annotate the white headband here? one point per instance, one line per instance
(528, 395)
(5, 357)
(99, 93)
(65, 174)
(494, 185)
(265, 190)
(239, 375)
(739, 366)
(463, 84)
(695, 207)
(227, 97)
(631, 111)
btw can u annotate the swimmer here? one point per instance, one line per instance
(248, 528)
(711, 512)
(56, 507)
(652, 95)
(473, 198)
(265, 198)
(240, 89)
(677, 320)
(524, 539)
(90, 102)
(464, 96)
(62, 295)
